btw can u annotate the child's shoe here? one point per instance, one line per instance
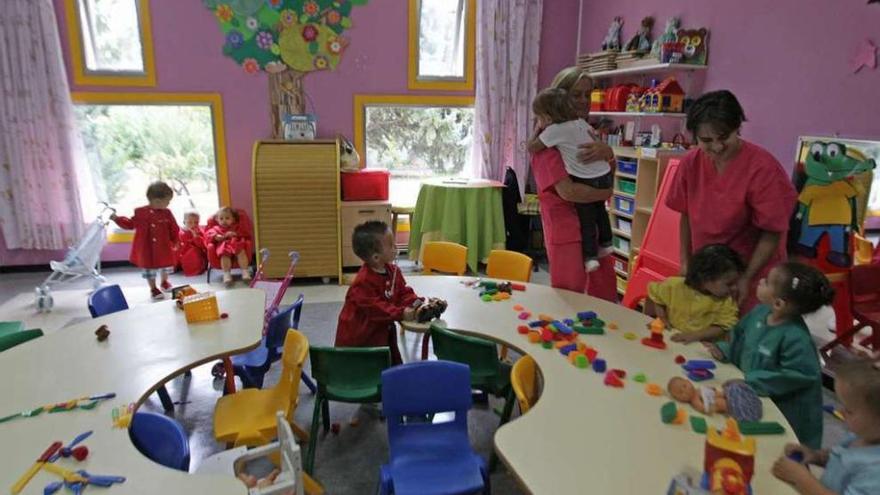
(227, 280)
(156, 294)
(246, 275)
(592, 265)
(166, 285)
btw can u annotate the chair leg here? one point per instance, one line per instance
(165, 399)
(325, 415)
(229, 388)
(426, 337)
(313, 436)
(508, 407)
(208, 278)
(309, 383)
(504, 350)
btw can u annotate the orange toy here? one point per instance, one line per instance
(201, 307)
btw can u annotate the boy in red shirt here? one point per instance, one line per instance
(191, 252)
(155, 237)
(379, 296)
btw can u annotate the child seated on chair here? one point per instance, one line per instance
(191, 254)
(378, 296)
(155, 237)
(229, 240)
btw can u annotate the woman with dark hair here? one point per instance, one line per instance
(730, 191)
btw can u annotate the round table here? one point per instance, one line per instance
(466, 212)
(583, 436)
(148, 345)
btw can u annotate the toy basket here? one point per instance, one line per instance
(201, 307)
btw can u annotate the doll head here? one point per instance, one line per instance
(191, 220)
(714, 270)
(681, 389)
(227, 217)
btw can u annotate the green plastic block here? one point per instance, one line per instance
(594, 329)
(551, 327)
(486, 297)
(668, 412)
(761, 428)
(581, 361)
(547, 345)
(698, 424)
(579, 328)
(598, 322)
(640, 377)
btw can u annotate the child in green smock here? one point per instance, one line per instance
(773, 347)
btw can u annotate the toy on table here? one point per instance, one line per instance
(699, 369)
(430, 310)
(87, 403)
(729, 461)
(497, 291)
(71, 450)
(656, 339)
(122, 415)
(761, 428)
(735, 398)
(102, 333)
(179, 292)
(670, 413)
(43, 459)
(201, 307)
(78, 480)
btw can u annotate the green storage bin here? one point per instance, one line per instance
(626, 186)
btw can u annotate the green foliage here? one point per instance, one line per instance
(412, 139)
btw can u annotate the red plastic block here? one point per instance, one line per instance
(591, 353)
(620, 373)
(523, 329)
(680, 359)
(612, 380)
(546, 335)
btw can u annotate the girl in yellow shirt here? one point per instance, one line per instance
(700, 305)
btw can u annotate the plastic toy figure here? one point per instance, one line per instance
(669, 35)
(612, 39)
(729, 461)
(735, 398)
(641, 42)
(827, 201)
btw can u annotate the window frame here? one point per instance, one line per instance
(442, 83)
(214, 101)
(84, 77)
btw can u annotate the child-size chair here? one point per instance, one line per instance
(509, 265)
(864, 284)
(110, 299)
(488, 373)
(445, 257)
(428, 457)
(247, 417)
(524, 380)
(343, 374)
(161, 439)
(245, 227)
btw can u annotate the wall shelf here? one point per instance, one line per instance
(647, 69)
(625, 176)
(640, 114)
(621, 233)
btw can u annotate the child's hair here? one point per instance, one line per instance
(230, 211)
(712, 262)
(367, 238)
(805, 287)
(191, 213)
(556, 104)
(863, 377)
(159, 190)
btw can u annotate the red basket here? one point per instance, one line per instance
(365, 185)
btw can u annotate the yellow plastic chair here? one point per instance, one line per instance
(524, 379)
(446, 257)
(864, 250)
(509, 265)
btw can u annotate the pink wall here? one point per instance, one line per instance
(786, 60)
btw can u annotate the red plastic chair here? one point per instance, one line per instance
(864, 297)
(245, 225)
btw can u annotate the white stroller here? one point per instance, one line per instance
(82, 260)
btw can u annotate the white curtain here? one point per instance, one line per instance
(508, 38)
(41, 155)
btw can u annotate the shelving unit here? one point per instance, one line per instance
(647, 69)
(640, 114)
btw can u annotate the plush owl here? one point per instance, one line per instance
(696, 45)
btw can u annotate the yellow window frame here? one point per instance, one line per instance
(213, 100)
(442, 84)
(361, 102)
(83, 77)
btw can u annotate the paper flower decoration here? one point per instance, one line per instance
(224, 13)
(335, 45)
(310, 33)
(275, 4)
(333, 17)
(250, 66)
(311, 8)
(234, 39)
(321, 62)
(252, 24)
(288, 18)
(264, 40)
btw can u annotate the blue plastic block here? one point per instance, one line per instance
(566, 349)
(537, 323)
(568, 321)
(586, 315)
(599, 365)
(562, 327)
(699, 364)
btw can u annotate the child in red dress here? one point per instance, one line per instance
(378, 296)
(155, 237)
(228, 240)
(191, 254)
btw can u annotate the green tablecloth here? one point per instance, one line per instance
(469, 214)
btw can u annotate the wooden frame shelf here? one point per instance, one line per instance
(647, 69)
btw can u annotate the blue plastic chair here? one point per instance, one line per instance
(428, 458)
(252, 366)
(110, 299)
(161, 439)
(106, 300)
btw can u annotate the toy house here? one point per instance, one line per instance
(665, 97)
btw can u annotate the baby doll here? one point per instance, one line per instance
(735, 398)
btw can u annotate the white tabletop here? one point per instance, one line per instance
(147, 345)
(583, 436)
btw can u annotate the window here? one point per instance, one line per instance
(415, 138)
(441, 44)
(132, 139)
(110, 42)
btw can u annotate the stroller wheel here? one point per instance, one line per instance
(44, 302)
(218, 371)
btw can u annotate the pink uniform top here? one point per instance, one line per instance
(753, 194)
(558, 216)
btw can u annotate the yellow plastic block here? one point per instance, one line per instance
(201, 307)
(545, 317)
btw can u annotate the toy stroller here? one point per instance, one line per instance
(82, 260)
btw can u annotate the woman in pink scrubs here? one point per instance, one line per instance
(730, 191)
(557, 194)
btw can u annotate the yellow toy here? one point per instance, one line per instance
(201, 307)
(729, 461)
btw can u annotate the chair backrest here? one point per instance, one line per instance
(11, 340)
(106, 300)
(479, 354)
(276, 330)
(446, 257)
(524, 380)
(865, 283)
(286, 392)
(412, 390)
(245, 226)
(161, 439)
(348, 367)
(509, 265)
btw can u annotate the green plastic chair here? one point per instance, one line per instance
(11, 340)
(488, 373)
(344, 374)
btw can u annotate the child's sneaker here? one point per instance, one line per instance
(246, 275)
(227, 280)
(166, 285)
(592, 265)
(156, 294)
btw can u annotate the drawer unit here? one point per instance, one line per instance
(623, 224)
(624, 205)
(627, 166)
(627, 186)
(354, 213)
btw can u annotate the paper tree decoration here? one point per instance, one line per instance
(285, 38)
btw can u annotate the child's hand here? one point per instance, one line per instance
(714, 351)
(809, 455)
(789, 471)
(685, 337)
(409, 314)
(230, 234)
(113, 216)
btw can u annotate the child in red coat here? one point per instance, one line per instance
(378, 296)
(228, 240)
(155, 237)
(191, 254)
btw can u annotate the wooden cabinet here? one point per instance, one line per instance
(296, 205)
(354, 213)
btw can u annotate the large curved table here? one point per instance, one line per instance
(582, 436)
(148, 345)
